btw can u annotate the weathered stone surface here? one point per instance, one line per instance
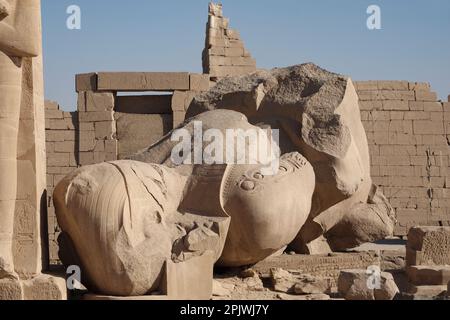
(428, 275)
(10, 289)
(317, 113)
(355, 285)
(299, 283)
(123, 227)
(143, 81)
(221, 289)
(45, 287)
(133, 132)
(308, 284)
(258, 210)
(429, 246)
(86, 82)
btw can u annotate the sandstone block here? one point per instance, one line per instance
(433, 106)
(51, 105)
(96, 116)
(53, 114)
(422, 86)
(96, 101)
(243, 61)
(86, 158)
(395, 105)
(111, 146)
(428, 246)
(428, 275)
(428, 127)
(10, 290)
(143, 81)
(58, 160)
(81, 101)
(217, 22)
(179, 101)
(366, 85)
(393, 85)
(354, 285)
(105, 130)
(221, 289)
(216, 51)
(234, 52)
(45, 287)
(232, 34)
(66, 146)
(199, 82)
(422, 95)
(416, 105)
(86, 82)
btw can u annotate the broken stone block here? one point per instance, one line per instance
(356, 285)
(10, 289)
(254, 283)
(428, 275)
(308, 284)
(429, 246)
(199, 82)
(45, 287)
(282, 280)
(221, 289)
(288, 282)
(96, 101)
(427, 291)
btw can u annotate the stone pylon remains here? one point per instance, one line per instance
(224, 54)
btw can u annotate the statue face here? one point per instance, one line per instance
(267, 211)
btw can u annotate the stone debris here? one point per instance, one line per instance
(309, 297)
(297, 283)
(356, 285)
(428, 246)
(222, 289)
(428, 261)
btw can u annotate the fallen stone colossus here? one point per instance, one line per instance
(132, 225)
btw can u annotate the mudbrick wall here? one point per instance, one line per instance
(407, 128)
(409, 136)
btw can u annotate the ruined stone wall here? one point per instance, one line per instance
(408, 131)
(62, 148)
(224, 53)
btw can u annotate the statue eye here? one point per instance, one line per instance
(258, 176)
(248, 185)
(283, 169)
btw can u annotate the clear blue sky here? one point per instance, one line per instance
(157, 35)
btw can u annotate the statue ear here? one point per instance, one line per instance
(4, 9)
